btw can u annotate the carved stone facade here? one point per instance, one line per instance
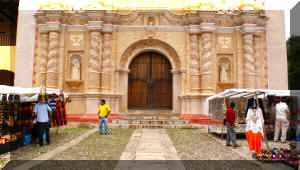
(106, 63)
(208, 51)
(207, 71)
(94, 61)
(43, 59)
(52, 63)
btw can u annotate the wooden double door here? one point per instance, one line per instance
(150, 82)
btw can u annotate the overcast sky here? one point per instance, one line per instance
(285, 5)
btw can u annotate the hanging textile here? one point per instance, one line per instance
(254, 129)
(61, 116)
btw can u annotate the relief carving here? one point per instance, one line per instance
(105, 65)
(106, 51)
(94, 61)
(249, 61)
(206, 74)
(43, 59)
(94, 65)
(52, 65)
(258, 64)
(207, 53)
(194, 52)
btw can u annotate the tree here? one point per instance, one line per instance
(293, 54)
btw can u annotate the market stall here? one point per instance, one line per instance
(267, 99)
(16, 116)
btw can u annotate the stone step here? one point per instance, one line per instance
(149, 112)
(151, 118)
(143, 126)
(152, 122)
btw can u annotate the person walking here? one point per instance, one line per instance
(230, 119)
(103, 112)
(43, 112)
(282, 120)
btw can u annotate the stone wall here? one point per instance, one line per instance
(88, 54)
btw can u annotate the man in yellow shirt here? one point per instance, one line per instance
(103, 112)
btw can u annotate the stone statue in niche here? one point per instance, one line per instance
(75, 69)
(151, 21)
(224, 72)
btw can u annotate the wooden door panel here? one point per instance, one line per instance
(162, 94)
(150, 81)
(138, 93)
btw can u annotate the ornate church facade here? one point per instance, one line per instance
(155, 59)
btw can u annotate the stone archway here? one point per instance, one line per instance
(150, 45)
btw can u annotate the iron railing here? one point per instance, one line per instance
(7, 39)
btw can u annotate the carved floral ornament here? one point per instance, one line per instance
(150, 44)
(175, 17)
(151, 4)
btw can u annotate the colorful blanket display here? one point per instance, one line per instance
(278, 155)
(15, 119)
(57, 105)
(254, 129)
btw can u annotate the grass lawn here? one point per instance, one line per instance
(98, 147)
(65, 135)
(196, 144)
(97, 151)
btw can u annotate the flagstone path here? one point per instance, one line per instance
(150, 148)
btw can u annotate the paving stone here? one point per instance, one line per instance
(150, 149)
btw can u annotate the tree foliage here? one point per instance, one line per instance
(293, 53)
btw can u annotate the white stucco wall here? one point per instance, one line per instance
(276, 50)
(25, 46)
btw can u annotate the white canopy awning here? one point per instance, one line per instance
(236, 93)
(27, 94)
(248, 93)
(26, 91)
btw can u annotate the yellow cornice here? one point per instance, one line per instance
(151, 4)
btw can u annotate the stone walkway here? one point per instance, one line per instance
(52, 153)
(150, 148)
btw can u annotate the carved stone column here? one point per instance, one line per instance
(194, 30)
(106, 59)
(206, 68)
(52, 65)
(248, 56)
(93, 81)
(258, 62)
(43, 55)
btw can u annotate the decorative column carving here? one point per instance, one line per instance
(94, 61)
(206, 69)
(52, 65)
(194, 30)
(258, 63)
(248, 56)
(42, 73)
(106, 59)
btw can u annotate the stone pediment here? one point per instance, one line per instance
(152, 17)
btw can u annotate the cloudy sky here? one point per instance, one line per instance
(285, 5)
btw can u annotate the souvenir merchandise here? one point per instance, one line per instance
(278, 155)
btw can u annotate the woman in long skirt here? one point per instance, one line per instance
(254, 128)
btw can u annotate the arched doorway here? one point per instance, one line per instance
(150, 82)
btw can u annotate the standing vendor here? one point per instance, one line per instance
(42, 111)
(103, 112)
(282, 120)
(230, 119)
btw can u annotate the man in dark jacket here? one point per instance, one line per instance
(230, 119)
